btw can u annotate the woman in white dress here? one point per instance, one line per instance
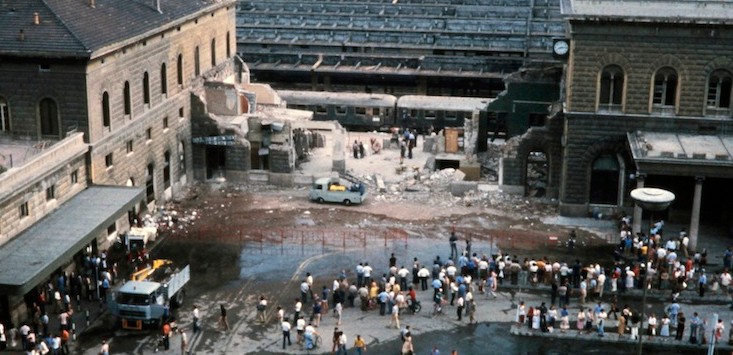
(665, 326)
(580, 324)
(629, 279)
(536, 319)
(652, 321)
(564, 319)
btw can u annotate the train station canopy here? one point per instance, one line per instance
(682, 154)
(29, 258)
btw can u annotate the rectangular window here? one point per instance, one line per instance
(360, 110)
(180, 112)
(24, 211)
(112, 228)
(321, 109)
(50, 193)
(149, 134)
(75, 177)
(430, 115)
(108, 162)
(451, 115)
(45, 67)
(341, 110)
(165, 122)
(129, 146)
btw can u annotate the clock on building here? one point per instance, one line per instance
(560, 48)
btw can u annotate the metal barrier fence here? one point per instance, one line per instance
(288, 241)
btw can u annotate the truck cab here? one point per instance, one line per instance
(146, 299)
(338, 191)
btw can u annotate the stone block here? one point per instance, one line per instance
(459, 188)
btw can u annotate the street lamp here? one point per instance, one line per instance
(652, 199)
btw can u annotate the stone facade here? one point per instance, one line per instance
(158, 131)
(41, 185)
(637, 51)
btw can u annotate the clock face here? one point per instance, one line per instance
(561, 47)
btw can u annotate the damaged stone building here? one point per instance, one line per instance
(646, 102)
(243, 130)
(95, 124)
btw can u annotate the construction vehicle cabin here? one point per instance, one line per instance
(145, 299)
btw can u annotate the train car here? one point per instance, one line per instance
(356, 111)
(426, 113)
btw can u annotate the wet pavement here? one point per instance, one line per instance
(236, 272)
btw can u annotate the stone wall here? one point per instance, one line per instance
(640, 50)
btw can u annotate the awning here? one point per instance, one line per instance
(681, 154)
(29, 258)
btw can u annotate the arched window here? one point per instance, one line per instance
(196, 62)
(146, 88)
(128, 101)
(719, 93)
(611, 92)
(179, 69)
(4, 115)
(49, 118)
(213, 52)
(105, 110)
(665, 89)
(163, 80)
(229, 46)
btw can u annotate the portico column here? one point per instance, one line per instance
(636, 220)
(695, 217)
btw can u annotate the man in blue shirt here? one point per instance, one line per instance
(383, 297)
(702, 282)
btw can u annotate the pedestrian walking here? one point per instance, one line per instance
(184, 341)
(261, 307)
(223, 322)
(359, 345)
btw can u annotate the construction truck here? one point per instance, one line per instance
(147, 297)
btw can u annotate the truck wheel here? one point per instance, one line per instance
(347, 202)
(320, 200)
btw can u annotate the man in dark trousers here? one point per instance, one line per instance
(453, 245)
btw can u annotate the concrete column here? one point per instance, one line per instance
(695, 217)
(636, 219)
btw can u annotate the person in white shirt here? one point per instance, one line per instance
(725, 280)
(403, 273)
(285, 325)
(367, 274)
(299, 329)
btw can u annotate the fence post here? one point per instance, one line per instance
(323, 242)
(261, 242)
(343, 241)
(282, 242)
(363, 235)
(385, 240)
(302, 242)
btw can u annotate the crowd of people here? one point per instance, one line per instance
(59, 298)
(638, 261)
